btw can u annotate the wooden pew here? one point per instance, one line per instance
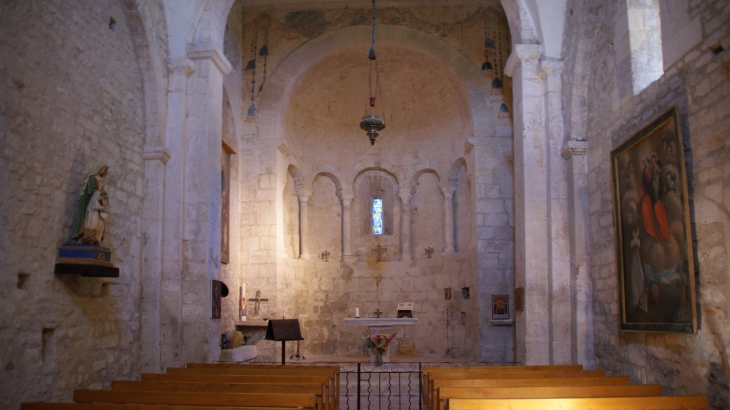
(110, 406)
(600, 403)
(307, 401)
(253, 369)
(543, 392)
(435, 370)
(459, 373)
(271, 388)
(545, 382)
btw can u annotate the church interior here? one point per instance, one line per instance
(200, 147)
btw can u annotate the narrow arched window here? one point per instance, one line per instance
(377, 220)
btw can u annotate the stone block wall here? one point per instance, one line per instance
(70, 96)
(698, 83)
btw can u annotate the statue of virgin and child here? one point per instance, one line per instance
(92, 212)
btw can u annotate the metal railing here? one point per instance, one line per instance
(391, 386)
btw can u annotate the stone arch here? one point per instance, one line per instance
(144, 20)
(283, 80)
(369, 164)
(210, 26)
(455, 170)
(391, 206)
(297, 177)
(576, 73)
(228, 86)
(333, 173)
(522, 28)
(414, 179)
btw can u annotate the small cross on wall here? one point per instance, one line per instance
(377, 313)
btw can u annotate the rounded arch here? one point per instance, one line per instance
(521, 26)
(297, 177)
(388, 176)
(455, 170)
(414, 179)
(332, 173)
(228, 86)
(371, 163)
(142, 19)
(285, 77)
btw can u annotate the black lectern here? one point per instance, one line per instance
(283, 330)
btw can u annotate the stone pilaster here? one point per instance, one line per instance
(303, 197)
(531, 219)
(560, 308)
(405, 233)
(582, 293)
(201, 235)
(161, 320)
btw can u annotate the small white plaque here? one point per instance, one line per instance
(405, 306)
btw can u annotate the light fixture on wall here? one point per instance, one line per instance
(373, 123)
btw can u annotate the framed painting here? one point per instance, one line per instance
(653, 237)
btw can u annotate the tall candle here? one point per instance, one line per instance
(357, 312)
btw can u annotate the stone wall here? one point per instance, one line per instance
(70, 96)
(697, 83)
(307, 72)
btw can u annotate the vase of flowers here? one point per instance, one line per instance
(378, 345)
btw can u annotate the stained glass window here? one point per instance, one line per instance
(377, 216)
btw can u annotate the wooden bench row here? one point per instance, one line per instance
(214, 387)
(542, 387)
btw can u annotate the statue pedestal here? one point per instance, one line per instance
(85, 260)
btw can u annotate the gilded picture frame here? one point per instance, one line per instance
(656, 279)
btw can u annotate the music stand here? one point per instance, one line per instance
(283, 330)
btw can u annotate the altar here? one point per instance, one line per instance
(377, 326)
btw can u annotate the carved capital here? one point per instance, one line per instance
(448, 191)
(303, 195)
(346, 199)
(575, 148)
(520, 53)
(156, 153)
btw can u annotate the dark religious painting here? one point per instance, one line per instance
(225, 201)
(653, 238)
(216, 290)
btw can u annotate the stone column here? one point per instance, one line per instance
(531, 223)
(163, 323)
(201, 236)
(152, 213)
(303, 197)
(448, 218)
(346, 227)
(405, 233)
(582, 294)
(558, 217)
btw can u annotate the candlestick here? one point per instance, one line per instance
(357, 312)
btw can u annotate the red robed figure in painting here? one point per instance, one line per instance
(653, 212)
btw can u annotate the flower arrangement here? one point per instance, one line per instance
(379, 343)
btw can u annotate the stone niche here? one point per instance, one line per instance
(376, 183)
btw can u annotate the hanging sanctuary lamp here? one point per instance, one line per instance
(372, 123)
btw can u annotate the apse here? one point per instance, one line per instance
(425, 108)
